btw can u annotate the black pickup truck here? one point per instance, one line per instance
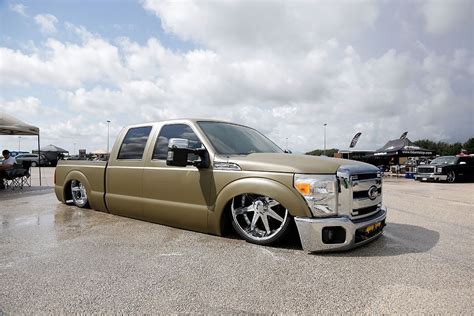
(447, 168)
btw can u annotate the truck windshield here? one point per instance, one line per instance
(232, 139)
(444, 161)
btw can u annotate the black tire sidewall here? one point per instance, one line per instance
(453, 177)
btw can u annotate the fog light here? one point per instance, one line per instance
(334, 235)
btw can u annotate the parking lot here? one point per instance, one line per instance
(60, 259)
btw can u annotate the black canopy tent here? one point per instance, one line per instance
(10, 125)
(52, 153)
(397, 148)
(402, 148)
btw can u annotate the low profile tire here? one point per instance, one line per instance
(451, 178)
(259, 219)
(34, 164)
(79, 194)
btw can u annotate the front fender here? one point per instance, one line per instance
(295, 203)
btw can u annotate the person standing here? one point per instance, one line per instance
(7, 163)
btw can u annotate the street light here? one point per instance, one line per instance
(324, 152)
(108, 135)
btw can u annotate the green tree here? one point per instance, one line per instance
(319, 152)
(469, 145)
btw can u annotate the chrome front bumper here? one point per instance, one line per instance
(431, 176)
(311, 231)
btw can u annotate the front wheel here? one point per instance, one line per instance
(34, 164)
(451, 178)
(259, 219)
(79, 194)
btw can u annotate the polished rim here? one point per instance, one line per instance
(258, 217)
(451, 176)
(79, 193)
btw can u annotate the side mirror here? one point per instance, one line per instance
(179, 149)
(287, 151)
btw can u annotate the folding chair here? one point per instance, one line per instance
(25, 174)
(17, 177)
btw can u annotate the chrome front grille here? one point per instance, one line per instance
(360, 190)
(425, 169)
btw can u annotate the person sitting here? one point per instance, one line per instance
(7, 163)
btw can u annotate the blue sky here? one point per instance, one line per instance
(286, 68)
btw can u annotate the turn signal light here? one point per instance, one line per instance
(304, 188)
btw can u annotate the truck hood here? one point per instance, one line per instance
(290, 163)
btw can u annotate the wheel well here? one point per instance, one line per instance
(67, 191)
(226, 219)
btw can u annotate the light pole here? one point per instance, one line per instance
(108, 135)
(324, 152)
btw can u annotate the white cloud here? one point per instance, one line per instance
(250, 25)
(442, 16)
(28, 106)
(283, 70)
(46, 22)
(63, 64)
(19, 8)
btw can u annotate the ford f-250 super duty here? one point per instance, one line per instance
(205, 175)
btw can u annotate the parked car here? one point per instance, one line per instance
(35, 161)
(208, 176)
(447, 168)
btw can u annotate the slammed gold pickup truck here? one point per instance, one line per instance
(206, 175)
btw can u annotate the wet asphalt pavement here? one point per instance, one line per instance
(60, 259)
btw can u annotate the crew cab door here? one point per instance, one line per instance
(465, 167)
(124, 173)
(175, 196)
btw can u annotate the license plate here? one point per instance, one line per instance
(424, 179)
(371, 228)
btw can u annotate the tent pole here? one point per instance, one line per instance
(39, 158)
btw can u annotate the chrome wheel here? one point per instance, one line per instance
(259, 219)
(451, 177)
(79, 193)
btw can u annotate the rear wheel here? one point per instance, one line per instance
(34, 164)
(79, 194)
(451, 178)
(259, 219)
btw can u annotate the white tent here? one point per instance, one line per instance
(10, 125)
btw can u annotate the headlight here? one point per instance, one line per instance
(439, 170)
(319, 191)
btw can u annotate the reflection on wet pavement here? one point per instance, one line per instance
(56, 258)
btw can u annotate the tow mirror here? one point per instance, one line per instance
(178, 149)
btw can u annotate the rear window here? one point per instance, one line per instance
(134, 143)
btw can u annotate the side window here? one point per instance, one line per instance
(468, 160)
(134, 143)
(175, 131)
